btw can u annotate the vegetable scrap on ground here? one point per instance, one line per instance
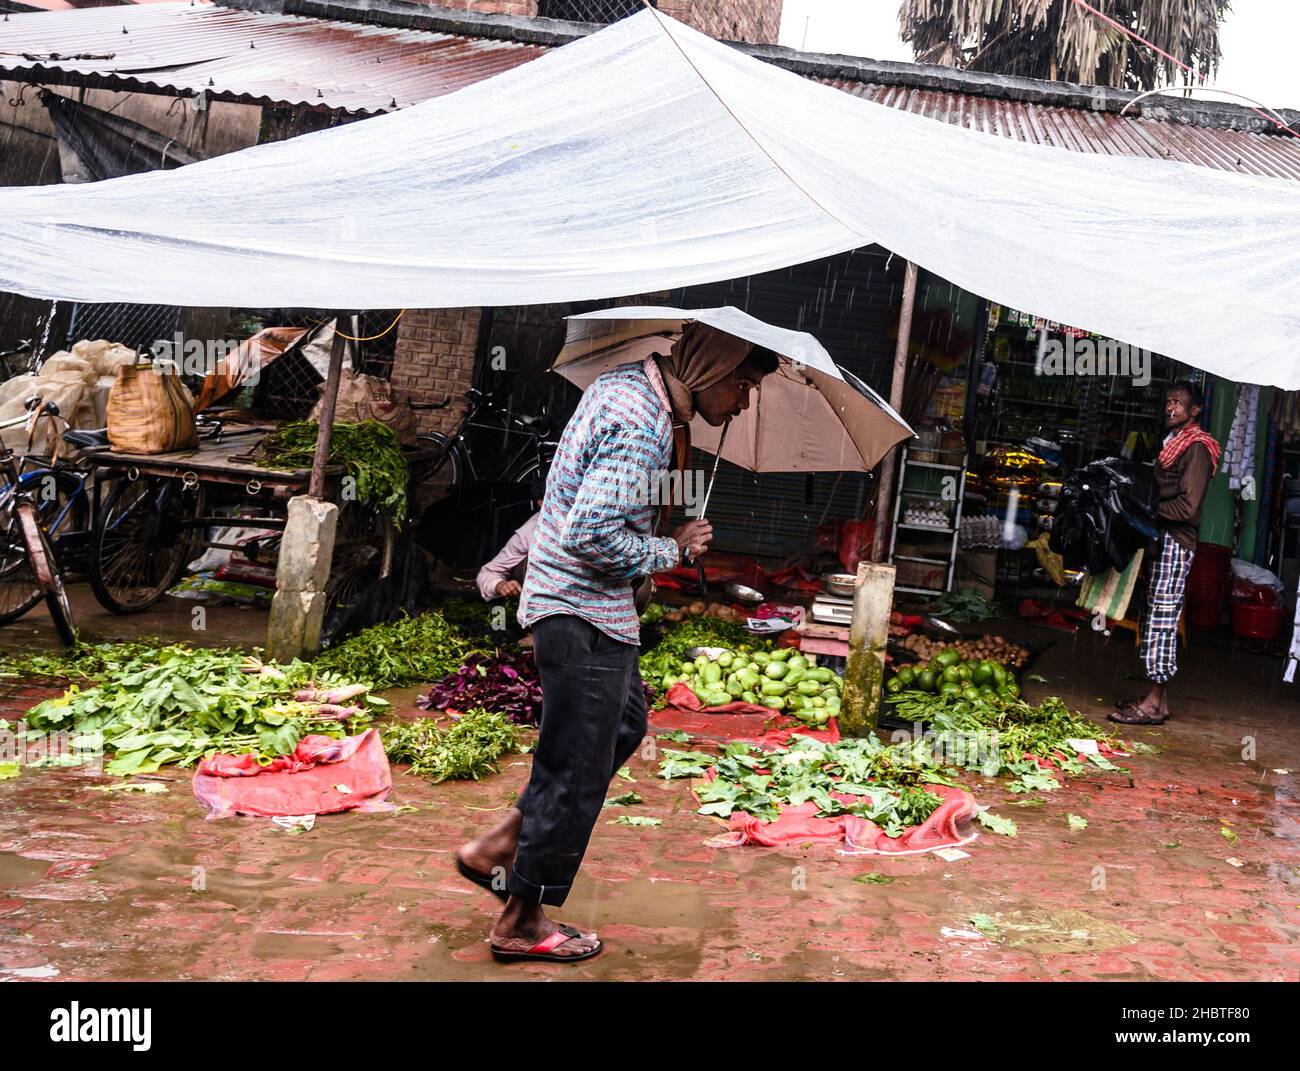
(887, 783)
(469, 748)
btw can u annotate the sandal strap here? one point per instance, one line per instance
(552, 942)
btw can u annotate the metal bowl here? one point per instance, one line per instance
(712, 652)
(839, 583)
(741, 593)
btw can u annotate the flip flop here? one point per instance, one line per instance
(1131, 714)
(545, 949)
(483, 881)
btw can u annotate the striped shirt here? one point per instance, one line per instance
(593, 533)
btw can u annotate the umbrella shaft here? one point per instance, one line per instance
(717, 459)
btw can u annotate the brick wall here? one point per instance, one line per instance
(434, 358)
(758, 21)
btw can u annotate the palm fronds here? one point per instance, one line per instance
(1060, 40)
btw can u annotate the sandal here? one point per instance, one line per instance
(545, 949)
(483, 881)
(1132, 714)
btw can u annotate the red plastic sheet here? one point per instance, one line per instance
(754, 724)
(719, 568)
(948, 827)
(322, 776)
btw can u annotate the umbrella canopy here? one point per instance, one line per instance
(808, 416)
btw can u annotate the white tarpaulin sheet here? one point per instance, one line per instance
(648, 156)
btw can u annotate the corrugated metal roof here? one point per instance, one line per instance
(1275, 155)
(247, 56)
(240, 55)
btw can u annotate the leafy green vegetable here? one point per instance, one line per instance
(1004, 827)
(176, 704)
(1034, 780)
(634, 820)
(468, 749)
(625, 773)
(683, 763)
(1075, 822)
(628, 799)
(698, 631)
(86, 661)
(963, 607)
(369, 451)
(873, 878)
(410, 650)
(886, 784)
(986, 924)
(1007, 730)
(675, 736)
(9, 770)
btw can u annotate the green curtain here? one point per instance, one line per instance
(1218, 514)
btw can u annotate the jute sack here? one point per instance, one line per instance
(363, 397)
(150, 412)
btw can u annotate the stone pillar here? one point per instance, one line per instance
(306, 552)
(873, 599)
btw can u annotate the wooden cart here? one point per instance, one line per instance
(152, 513)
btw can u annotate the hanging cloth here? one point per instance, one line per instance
(1239, 454)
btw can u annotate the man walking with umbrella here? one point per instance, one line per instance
(593, 542)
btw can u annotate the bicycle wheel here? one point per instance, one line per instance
(62, 508)
(141, 541)
(363, 553)
(45, 568)
(442, 473)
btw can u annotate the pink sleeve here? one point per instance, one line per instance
(515, 551)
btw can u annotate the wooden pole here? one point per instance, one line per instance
(885, 499)
(316, 488)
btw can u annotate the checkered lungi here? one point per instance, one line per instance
(1165, 589)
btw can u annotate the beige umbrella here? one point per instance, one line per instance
(808, 416)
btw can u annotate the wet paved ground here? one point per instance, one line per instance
(97, 885)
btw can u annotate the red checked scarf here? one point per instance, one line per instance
(1192, 433)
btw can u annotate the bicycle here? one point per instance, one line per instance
(61, 493)
(28, 563)
(476, 512)
(16, 362)
(529, 461)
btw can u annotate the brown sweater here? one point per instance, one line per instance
(1180, 491)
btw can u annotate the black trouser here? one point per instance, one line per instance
(593, 718)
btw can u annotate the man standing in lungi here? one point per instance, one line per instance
(1186, 462)
(592, 543)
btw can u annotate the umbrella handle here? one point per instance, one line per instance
(708, 493)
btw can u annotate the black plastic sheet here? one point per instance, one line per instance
(1106, 513)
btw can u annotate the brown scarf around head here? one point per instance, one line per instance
(701, 357)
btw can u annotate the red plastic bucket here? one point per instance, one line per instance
(1254, 622)
(1207, 585)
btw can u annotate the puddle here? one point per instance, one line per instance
(30, 972)
(1045, 932)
